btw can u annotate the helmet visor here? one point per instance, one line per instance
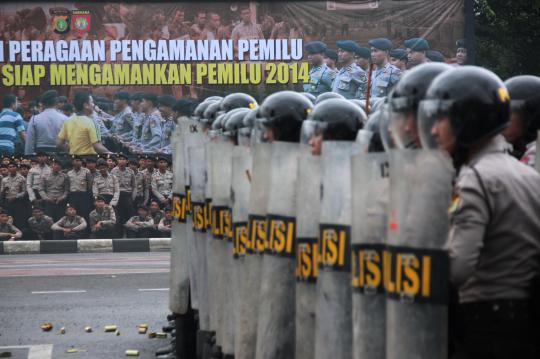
(311, 129)
(385, 131)
(403, 128)
(363, 138)
(429, 112)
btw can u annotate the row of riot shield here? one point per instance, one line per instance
(289, 255)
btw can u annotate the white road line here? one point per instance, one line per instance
(59, 291)
(153, 289)
(35, 351)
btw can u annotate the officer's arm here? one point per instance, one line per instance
(81, 226)
(22, 193)
(111, 220)
(466, 237)
(147, 224)
(133, 187)
(29, 183)
(116, 195)
(154, 143)
(146, 189)
(42, 192)
(18, 233)
(57, 226)
(129, 224)
(89, 181)
(155, 190)
(162, 227)
(66, 189)
(29, 143)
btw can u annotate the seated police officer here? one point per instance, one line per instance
(139, 226)
(70, 226)
(494, 240)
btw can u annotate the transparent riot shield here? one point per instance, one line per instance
(333, 332)
(210, 252)
(275, 327)
(416, 266)
(370, 192)
(537, 159)
(308, 204)
(197, 167)
(221, 163)
(245, 343)
(179, 273)
(240, 188)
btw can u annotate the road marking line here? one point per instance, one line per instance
(153, 289)
(34, 351)
(59, 291)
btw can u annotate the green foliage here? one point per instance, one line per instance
(508, 36)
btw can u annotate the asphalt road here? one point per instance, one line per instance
(79, 290)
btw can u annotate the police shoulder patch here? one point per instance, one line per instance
(456, 204)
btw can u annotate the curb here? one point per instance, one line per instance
(86, 246)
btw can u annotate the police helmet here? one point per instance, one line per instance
(335, 120)
(524, 94)
(474, 99)
(282, 113)
(326, 95)
(309, 96)
(237, 100)
(404, 99)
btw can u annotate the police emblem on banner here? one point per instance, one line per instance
(81, 20)
(60, 19)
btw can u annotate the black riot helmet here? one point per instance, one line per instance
(214, 98)
(198, 113)
(234, 122)
(237, 100)
(327, 95)
(335, 120)
(473, 99)
(244, 133)
(211, 113)
(282, 113)
(524, 93)
(404, 99)
(309, 96)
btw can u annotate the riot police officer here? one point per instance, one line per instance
(524, 116)
(493, 241)
(320, 76)
(332, 120)
(280, 117)
(404, 102)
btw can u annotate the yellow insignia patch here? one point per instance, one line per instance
(503, 94)
(252, 105)
(456, 203)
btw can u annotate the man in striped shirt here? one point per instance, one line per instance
(11, 125)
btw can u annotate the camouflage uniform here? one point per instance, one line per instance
(77, 224)
(107, 217)
(40, 229)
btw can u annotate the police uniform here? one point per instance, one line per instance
(34, 178)
(128, 193)
(80, 189)
(167, 128)
(351, 79)
(13, 190)
(164, 227)
(107, 217)
(142, 184)
(139, 227)
(54, 190)
(417, 44)
(10, 228)
(77, 224)
(122, 124)
(138, 119)
(320, 77)
(384, 78)
(494, 244)
(151, 132)
(157, 216)
(40, 229)
(107, 187)
(162, 185)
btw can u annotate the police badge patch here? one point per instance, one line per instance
(60, 19)
(80, 20)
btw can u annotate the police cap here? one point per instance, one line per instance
(347, 45)
(381, 43)
(315, 47)
(122, 95)
(417, 44)
(331, 54)
(363, 52)
(400, 54)
(166, 100)
(435, 56)
(461, 44)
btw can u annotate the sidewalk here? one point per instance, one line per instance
(86, 246)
